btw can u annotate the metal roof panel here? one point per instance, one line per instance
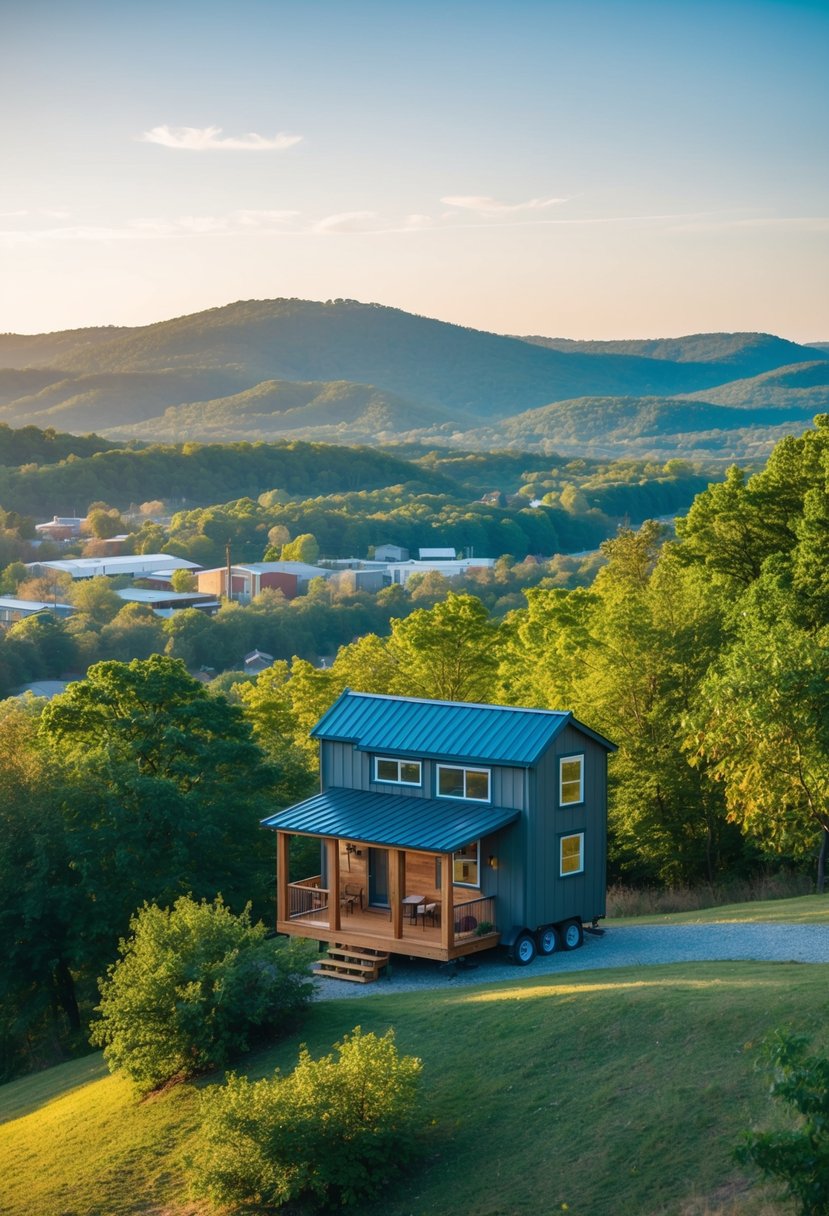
(433, 825)
(458, 730)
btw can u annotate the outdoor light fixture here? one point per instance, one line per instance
(493, 862)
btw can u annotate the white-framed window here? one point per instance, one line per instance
(461, 782)
(466, 865)
(571, 854)
(570, 780)
(400, 772)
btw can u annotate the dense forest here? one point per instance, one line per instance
(704, 656)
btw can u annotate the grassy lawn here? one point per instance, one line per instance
(616, 1093)
(803, 910)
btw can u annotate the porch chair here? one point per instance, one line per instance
(350, 895)
(429, 909)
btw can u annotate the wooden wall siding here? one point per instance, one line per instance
(343, 765)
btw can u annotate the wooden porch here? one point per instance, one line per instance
(424, 912)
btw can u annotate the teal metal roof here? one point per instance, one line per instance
(445, 730)
(435, 825)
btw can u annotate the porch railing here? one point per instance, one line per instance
(307, 899)
(475, 918)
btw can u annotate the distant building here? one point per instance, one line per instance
(165, 603)
(62, 527)
(258, 661)
(12, 610)
(247, 581)
(401, 572)
(139, 565)
(350, 581)
(391, 553)
(436, 555)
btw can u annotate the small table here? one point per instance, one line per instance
(412, 902)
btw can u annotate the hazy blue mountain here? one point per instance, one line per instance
(800, 385)
(741, 354)
(348, 372)
(337, 411)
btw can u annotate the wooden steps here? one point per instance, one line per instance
(355, 963)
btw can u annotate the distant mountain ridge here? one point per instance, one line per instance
(349, 372)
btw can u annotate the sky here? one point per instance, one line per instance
(571, 168)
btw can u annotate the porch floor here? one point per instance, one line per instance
(372, 927)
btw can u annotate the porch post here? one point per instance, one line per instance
(332, 850)
(283, 906)
(447, 913)
(397, 883)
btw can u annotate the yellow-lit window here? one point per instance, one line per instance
(572, 854)
(571, 783)
(466, 865)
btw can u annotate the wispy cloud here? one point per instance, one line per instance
(348, 221)
(482, 204)
(210, 139)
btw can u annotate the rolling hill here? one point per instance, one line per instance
(347, 372)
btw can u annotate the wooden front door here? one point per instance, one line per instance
(378, 878)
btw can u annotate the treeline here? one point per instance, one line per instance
(202, 473)
(31, 445)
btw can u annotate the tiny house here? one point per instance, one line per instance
(446, 828)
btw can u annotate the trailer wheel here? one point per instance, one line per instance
(572, 935)
(523, 952)
(548, 940)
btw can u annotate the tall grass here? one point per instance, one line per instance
(652, 901)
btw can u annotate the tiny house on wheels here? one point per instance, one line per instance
(446, 828)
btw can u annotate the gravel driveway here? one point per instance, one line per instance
(633, 946)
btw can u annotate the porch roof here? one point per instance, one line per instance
(433, 825)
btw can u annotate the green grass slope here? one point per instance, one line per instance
(802, 910)
(607, 1093)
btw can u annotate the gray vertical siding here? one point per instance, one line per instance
(527, 883)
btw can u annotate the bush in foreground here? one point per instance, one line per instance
(194, 987)
(798, 1157)
(327, 1135)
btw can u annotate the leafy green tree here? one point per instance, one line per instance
(183, 580)
(797, 1157)
(303, 548)
(168, 787)
(134, 633)
(52, 649)
(42, 915)
(330, 1134)
(104, 523)
(267, 705)
(448, 652)
(96, 599)
(762, 725)
(194, 987)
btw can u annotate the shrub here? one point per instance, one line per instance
(194, 987)
(798, 1157)
(327, 1135)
